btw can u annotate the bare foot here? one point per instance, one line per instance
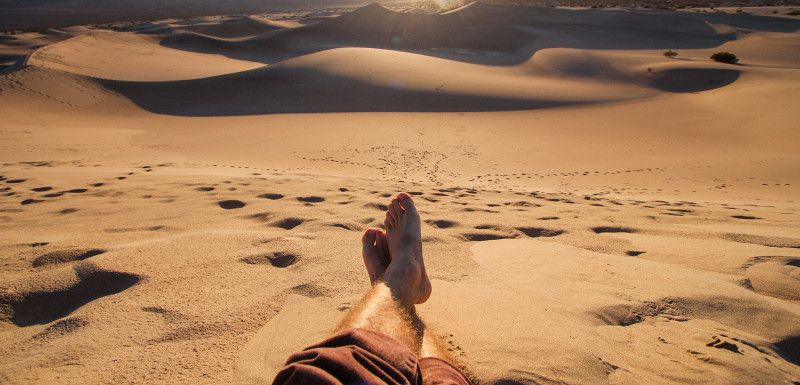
(375, 253)
(406, 274)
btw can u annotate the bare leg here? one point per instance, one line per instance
(381, 311)
(397, 271)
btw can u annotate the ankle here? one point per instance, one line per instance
(404, 285)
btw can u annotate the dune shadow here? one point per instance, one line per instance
(694, 79)
(282, 90)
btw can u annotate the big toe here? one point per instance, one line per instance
(407, 203)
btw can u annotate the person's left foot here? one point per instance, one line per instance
(375, 253)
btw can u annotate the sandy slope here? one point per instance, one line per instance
(183, 203)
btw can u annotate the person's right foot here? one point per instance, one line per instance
(406, 274)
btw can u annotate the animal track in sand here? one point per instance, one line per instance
(612, 229)
(65, 256)
(535, 232)
(289, 223)
(231, 204)
(47, 305)
(272, 196)
(311, 199)
(277, 259)
(441, 223)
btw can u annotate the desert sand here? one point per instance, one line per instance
(183, 201)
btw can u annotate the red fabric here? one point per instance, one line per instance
(361, 356)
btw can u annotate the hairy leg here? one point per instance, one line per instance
(383, 312)
(391, 310)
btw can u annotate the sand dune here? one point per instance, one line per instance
(126, 56)
(182, 201)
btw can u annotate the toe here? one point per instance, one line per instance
(396, 208)
(380, 242)
(406, 201)
(369, 239)
(388, 222)
(393, 208)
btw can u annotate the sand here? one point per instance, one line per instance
(183, 202)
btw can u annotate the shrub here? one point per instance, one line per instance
(670, 53)
(725, 57)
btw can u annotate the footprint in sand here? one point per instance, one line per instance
(536, 232)
(311, 199)
(748, 217)
(612, 229)
(231, 204)
(277, 259)
(289, 223)
(441, 223)
(75, 191)
(271, 196)
(486, 236)
(60, 299)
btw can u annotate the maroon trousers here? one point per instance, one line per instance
(361, 357)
